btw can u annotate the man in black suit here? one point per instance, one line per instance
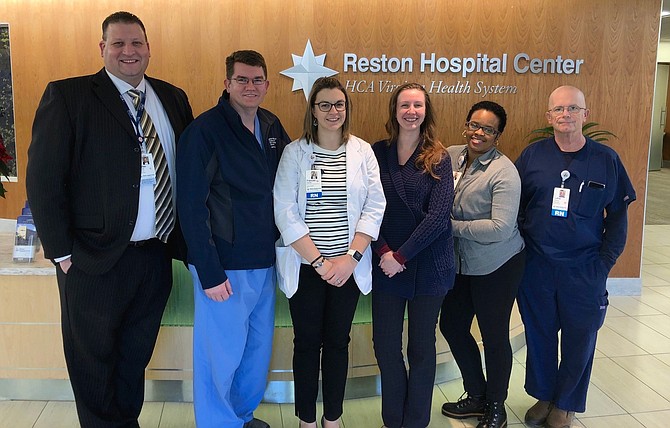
(100, 185)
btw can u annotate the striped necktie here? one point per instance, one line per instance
(163, 186)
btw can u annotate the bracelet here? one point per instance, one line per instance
(316, 259)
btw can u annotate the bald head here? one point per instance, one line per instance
(567, 114)
(567, 92)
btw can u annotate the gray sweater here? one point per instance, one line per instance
(484, 216)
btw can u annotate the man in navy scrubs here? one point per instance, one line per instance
(573, 217)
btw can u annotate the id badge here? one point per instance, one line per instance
(313, 184)
(457, 177)
(148, 171)
(559, 204)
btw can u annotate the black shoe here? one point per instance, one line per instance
(469, 407)
(256, 423)
(495, 415)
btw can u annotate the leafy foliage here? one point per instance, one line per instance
(587, 129)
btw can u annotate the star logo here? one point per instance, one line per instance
(306, 69)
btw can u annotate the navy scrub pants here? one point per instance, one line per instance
(572, 300)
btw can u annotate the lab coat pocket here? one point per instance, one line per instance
(288, 268)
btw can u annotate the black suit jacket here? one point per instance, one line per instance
(83, 170)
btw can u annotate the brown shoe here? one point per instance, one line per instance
(537, 415)
(560, 418)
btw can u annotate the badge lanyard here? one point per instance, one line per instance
(313, 185)
(136, 119)
(561, 198)
(148, 171)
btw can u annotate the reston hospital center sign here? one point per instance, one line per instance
(522, 63)
(309, 67)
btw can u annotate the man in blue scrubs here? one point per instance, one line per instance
(226, 165)
(573, 217)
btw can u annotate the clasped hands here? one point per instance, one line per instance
(390, 265)
(337, 270)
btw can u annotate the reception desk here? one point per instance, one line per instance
(32, 365)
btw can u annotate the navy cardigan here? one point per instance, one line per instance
(416, 225)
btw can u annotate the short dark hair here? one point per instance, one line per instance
(124, 18)
(309, 129)
(247, 57)
(494, 108)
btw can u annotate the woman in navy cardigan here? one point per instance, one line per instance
(414, 264)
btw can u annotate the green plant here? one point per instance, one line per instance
(587, 129)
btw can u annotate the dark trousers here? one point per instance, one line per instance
(570, 299)
(490, 298)
(322, 315)
(110, 324)
(406, 397)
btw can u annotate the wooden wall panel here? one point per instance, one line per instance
(189, 42)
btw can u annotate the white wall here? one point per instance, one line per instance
(663, 52)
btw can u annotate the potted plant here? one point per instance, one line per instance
(587, 129)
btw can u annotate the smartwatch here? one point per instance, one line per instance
(355, 255)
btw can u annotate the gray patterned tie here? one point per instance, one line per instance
(163, 186)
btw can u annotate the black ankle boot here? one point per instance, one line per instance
(469, 407)
(495, 415)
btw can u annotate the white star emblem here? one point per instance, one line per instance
(306, 69)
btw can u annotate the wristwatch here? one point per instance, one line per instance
(318, 262)
(355, 254)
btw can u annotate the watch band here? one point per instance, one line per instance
(318, 262)
(355, 254)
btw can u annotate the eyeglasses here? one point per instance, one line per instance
(325, 106)
(474, 126)
(572, 110)
(256, 81)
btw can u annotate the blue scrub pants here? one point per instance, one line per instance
(572, 300)
(232, 346)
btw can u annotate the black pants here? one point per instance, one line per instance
(110, 323)
(489, 297)
(322, 315)
(406, 397)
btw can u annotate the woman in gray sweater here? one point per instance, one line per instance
(490, 260)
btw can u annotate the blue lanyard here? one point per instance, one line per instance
(136, 119)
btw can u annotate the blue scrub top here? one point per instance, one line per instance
(598, 184)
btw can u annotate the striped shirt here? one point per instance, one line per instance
(326, 217)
